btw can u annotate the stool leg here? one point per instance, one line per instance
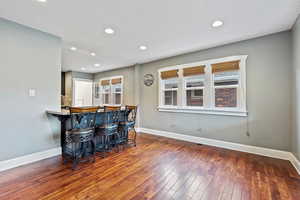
(74, 156)
(118, 139)
(93, 150)
(103, 143)
(75, 162)
(134, 139)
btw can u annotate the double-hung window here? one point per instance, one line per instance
(111, 91)
(226, 77)
(212, 87)
(169, 82)
(194, 83)
(105, 91)
(116, 87)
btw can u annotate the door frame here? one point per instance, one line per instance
(73, 88)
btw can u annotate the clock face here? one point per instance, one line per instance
(148, 79)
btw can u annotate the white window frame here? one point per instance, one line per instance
(110, 91)
(185, 80)
(237, 86)
(208, 89)
(163, 89)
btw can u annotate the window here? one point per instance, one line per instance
(170, 88)
(111, 91)
(225, 87)
(214, 87)
(194, 91)
(169, 81)
(194, 81)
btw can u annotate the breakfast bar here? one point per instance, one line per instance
(83, 122)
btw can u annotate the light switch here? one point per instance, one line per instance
(32, 92)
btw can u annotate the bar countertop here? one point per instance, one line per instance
(66, 112)
(63, 112)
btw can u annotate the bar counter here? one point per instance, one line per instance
(64, 117)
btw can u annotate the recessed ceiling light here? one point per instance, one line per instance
(217, 23)
(93, 54)
(83, 68)
(97, 65)
(73, 48)
(109, 31)
(42, 1)
(143, 48)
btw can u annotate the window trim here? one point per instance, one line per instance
(208, 89)
(161, 88)
(238, 91)
(185, 89)
(111, 92)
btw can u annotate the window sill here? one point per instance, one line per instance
(226, 112)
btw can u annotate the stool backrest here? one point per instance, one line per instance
(112, 114)
(83, 117)
(130, 113)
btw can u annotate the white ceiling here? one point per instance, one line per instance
(166, 27)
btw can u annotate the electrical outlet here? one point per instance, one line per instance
(248, 133)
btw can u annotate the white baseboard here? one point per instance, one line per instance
(295, 162)
(285, 155)
(23, 160)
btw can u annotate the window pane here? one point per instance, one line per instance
(116, 88)
(195, 84)
(196, 81)
(105, 98)
(171, 84)
(226, 82)
(106, 89)
(170, 98)
(117, 98)
(226, 74)
(226, 97)
(194, 97)
(226, 78)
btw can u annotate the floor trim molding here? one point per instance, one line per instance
(30, 158)
(285, 155)
(295, 162)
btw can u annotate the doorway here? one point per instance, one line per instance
(82, 92)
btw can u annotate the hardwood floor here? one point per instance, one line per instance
(157, 169)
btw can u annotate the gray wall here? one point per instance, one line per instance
(29, 59)
(128, 85)
(268, 96)
(296, 89)
(269, 73)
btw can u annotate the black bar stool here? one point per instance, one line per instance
(80, 139)
(107, 134)
(128, 125)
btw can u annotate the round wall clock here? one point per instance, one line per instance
(148, 79)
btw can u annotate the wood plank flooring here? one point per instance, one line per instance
(157, 169)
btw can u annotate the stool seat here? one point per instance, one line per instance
(106, 128)
(127, 124)
(80, 131)
(79, 135)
